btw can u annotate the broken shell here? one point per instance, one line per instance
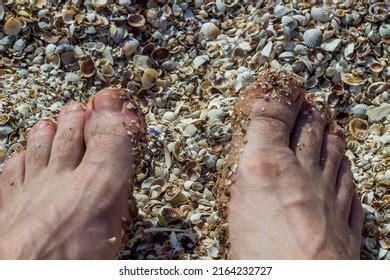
(384, 179)
(12, 27)
(288, 21)
(4, 118)
(379, 11)
(358, 128)
(200, 60)
(160, 54)
(72, 77)
(379, 113)
(87, 68)
(130, 47)
(384, 31)
(312, 37)
(136, 20)
(239, 53)
(209, 30)
(360, 110)
(149, 78)
(99, 4)
(53, 59)
(320, 14)
(167, 216)
(169, 116)
(351, 79)
(376, 67)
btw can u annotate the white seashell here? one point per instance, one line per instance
(281, 10)
(20, 45)
(266, 51)
(130, 47)
(360, 110)
(72, 77)
(312, 37)
(379, 113)
(170, 116)
(288, 21)
(349, 50)
(384, 179)
(190, 130)
(200, 60)
(320, 14)
(220, 6)
(331, 45)
(142, 62)
(384, 31)
(5, 130)
(209, 30)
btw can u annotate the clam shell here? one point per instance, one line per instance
(53, 59)
(200, 60)
(379, 11)
(68, 58)
(99, 4)
(281, 10)
(379, 113)
(358, 128)
(136, 20)
(288, 21)
(149, 78)
(160, 54)
(360, 110)
(320, 14)
(384, 31)
(12, 27)
(4, 118)
(209, 31)
(130, 47)
(87, 68)
(351, 79)
(312, 37)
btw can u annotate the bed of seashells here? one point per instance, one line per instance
(184, 63)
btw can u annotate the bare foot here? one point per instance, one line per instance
(66, 195)
(293, 194)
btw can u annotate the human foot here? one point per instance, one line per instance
(293, 194)
(66, 196)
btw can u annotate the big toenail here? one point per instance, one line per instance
(109, 100)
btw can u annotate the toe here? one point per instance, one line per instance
(275, 103)
(307, 136)
(332, 152)
(108, 144)
(68, 145)
(345, 189)
(38, 150)
(13, 171)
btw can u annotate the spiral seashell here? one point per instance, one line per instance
(209, 30)
(12, 27)
(358, 128)
(320, 14)
(312, 37)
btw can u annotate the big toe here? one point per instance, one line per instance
(111, 131)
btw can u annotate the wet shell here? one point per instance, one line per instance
(136, 20)
(149, 78)
(358, 128)
(160, 54)
(351, 79)
(320, 14)
(87, 68)
(209, 30)
(312, 37)
(12, 27)
(4, 118)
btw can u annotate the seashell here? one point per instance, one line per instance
(302, 20)
(380, 11)
(320, 14)
(72, 77)
(384, 179)
(376, 129)
(351, 79)
(170, 116)
(360, 110)
(20, 45)
(267, 50)
(68, 16)
(338, 89)
(200, 60)
(384, 30)
(220, 6)
(379, 113)
(239, 53)
(358, 128)
(209, 31)
(2, 12)
(87, 68)
(124, 2)
(50, 38)
(331, 45)
(136, 20)
(312, 37)
(149, 78)
(175, 195)
(160, 54)
(288, 21)
(12, 27)
(130, 47)
(5, 130)
(99, 4)
(53, 59)
(376, 67)
(68, 58)
(281, 10)
(4, 118)
(352, 145)
(168, 216)
(142, 62)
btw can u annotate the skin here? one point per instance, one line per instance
(66, 196)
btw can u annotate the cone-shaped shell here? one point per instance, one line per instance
(12, 27)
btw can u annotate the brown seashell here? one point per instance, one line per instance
(239, 53)
(377, 67)
(53, 59)
(148, 49)
(4, 118)
(338, 89)
(68, 58)
(136, 20)
(358, 128)
(87, 68)
(50, 38)
(149, 78)
(68, 16)
(351, 79)
(12, 27)
(39, 4)
(160, 54)
(167, 216)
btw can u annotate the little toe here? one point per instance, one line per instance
(38, 150)
(332, 151)
(13, 170)
(275, 103)
(108, 144)
(307, 136)
(345, 189)
(68, 145)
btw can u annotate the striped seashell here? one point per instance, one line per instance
(312, 37)
(320, 14)
(352, 145)
(288, 21)
(360, 110)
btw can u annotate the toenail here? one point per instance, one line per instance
(108, 100)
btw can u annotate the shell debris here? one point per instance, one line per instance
(183, 64)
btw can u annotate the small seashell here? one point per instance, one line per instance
(358, 128)
(320, 14)
(331, 45)
(220, 6)
(20, 45)
(99, 4)
(379, 113)
(4, 118)
(5, 130)
(360, 110)
(68, 58)
(209, 30)
(12, 27)
(2, 12)
(136, 20)
(72, 77)
(142, 62)
(384, 31)
(130, 47)
(200, 60)
(376, 67)
(376, 129)
(267, 50)
(312, 37)
(87, 68)
(168, 216)
(149, 78)
(351, 79)
(384, 179)
(53, 59)
(288, 21)
(190, 130)
(160, 54)
(239, 53)
(380, 11)
(281, 10)
(170, 116)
